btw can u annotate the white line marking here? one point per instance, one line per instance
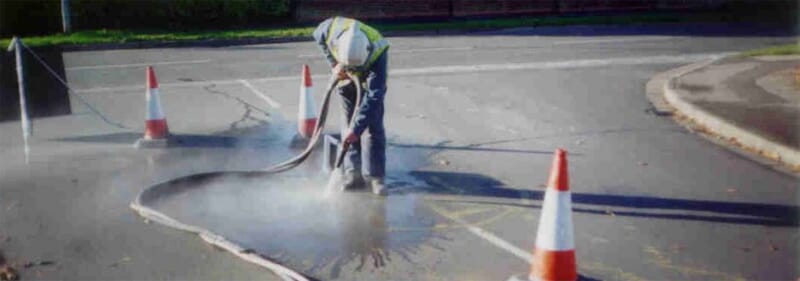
(136, 64)
(555, 64)
(489, 237)
(270, 101)
(585, 63)
(420, 50)
(619, 40)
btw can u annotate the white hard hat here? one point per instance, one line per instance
(353, 47)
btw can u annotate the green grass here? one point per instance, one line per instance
(790, 49)
(122, 36)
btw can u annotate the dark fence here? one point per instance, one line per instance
(28, 17)
(313, 10)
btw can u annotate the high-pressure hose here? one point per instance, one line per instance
(315, 136)
(283, 272)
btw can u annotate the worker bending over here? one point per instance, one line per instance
(353, 47)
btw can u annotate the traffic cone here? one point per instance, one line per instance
(155, 126)
(307, 112)
(554, 255)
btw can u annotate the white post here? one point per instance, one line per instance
(65, 16)
(16, 45)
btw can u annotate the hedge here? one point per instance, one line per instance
(27, 17)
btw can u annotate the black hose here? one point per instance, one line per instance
(140, 203)
(323, 116)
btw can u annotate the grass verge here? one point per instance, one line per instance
(790, 49)
(123, 36)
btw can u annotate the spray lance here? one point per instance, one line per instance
(345, 145)
(336, 174)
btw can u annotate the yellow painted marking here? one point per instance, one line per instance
(602, 269)
(665, 262)
(470, 211)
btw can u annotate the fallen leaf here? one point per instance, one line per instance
(8, 273)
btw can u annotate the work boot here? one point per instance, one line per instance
(352, 180)
(377, 186)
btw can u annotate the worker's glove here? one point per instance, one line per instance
(350, 137)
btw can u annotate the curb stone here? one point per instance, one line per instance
(712, 123)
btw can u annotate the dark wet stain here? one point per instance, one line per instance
(290, 218)
(695, 89)
(655, 111)
(186, 79)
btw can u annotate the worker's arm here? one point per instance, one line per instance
(320, 36)
(373, 95)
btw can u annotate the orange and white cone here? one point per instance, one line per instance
(307, 112)
(554, 255)
(155, 126)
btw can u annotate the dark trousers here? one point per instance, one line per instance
(371, 149)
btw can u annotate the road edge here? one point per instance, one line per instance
(713, 127)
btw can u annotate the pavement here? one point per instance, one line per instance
(753, 103)
(472, 122)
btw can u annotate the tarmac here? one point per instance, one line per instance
(472, 120)
(752, 103)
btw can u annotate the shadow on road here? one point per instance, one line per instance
(474, 188)
(182, 140)
(469, 148)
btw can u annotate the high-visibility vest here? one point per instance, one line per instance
(339, 25)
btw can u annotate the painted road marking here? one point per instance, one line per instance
(586, 63)
(621, 40)
(408, 51)
(270, 101)
(136, 64)
(488, 236)
(454, 69)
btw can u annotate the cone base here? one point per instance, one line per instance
(155, 129)
(306, 127)
(549, 265)
(149, 143)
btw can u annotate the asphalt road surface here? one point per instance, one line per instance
(472, 122)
